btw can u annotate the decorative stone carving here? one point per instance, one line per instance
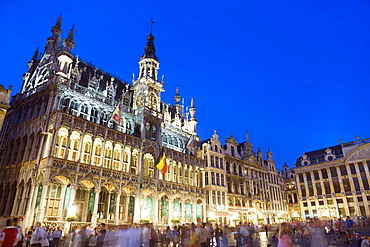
(361, 154)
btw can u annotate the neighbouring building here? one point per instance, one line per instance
(290, 188)
(241, 184)
(333, 182)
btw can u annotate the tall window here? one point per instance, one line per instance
(53, 198)
(134, 164)
(343, 170)
(86, 152)
(97, 155)
(107, 157)
(116, 159)
(26, 199)
(74, 149)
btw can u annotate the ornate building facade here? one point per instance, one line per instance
(66, 156)
(334, 181)
(241, 184)
(290, 188)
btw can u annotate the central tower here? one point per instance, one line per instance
(147, 88)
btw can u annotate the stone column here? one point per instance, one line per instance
(340, 179)
(204, 213)
(61, 206)
(94, 217)
(108, 214)
(15, 202)
(138, 205)
(30, 213)
(364, 198)
(47, 144)
(155, 208)
(41, 209)
(307, 194)
(170, 210)
(80, 147)
(116, 215)
(182, 210)
(350, 177)
(68, 146)
(194, 209)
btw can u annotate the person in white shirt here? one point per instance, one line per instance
(146, 235)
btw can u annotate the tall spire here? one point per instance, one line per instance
(177, 99)
(69, 42)
(35, 56)
(177, 96)
(53, 41)
(56, 30)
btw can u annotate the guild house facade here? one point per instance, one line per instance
(80, 145)
(333, 182)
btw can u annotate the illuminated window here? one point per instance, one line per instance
(107, 157)
(116, 159)
(53, 198)
(97, 155)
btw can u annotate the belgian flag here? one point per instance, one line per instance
(161, 163)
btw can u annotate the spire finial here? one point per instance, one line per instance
(192, 103)
(149, 50)
(35, 55)
(177, 96)
(57, 29)
(69, 42)
(151, 25)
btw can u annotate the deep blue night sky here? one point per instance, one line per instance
(295, 74)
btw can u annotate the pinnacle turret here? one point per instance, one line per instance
(56, 30)
(69, 42)
(192, 110)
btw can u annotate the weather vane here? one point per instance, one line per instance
(151, 26)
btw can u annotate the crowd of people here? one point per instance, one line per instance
(319, 233)
(190, 235)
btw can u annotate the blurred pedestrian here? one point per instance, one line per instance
(285, 231)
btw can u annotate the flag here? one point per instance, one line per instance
(162, 163)
(191, 145)
(116, 116)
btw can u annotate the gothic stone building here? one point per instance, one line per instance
(64, 158)
(334, 181)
